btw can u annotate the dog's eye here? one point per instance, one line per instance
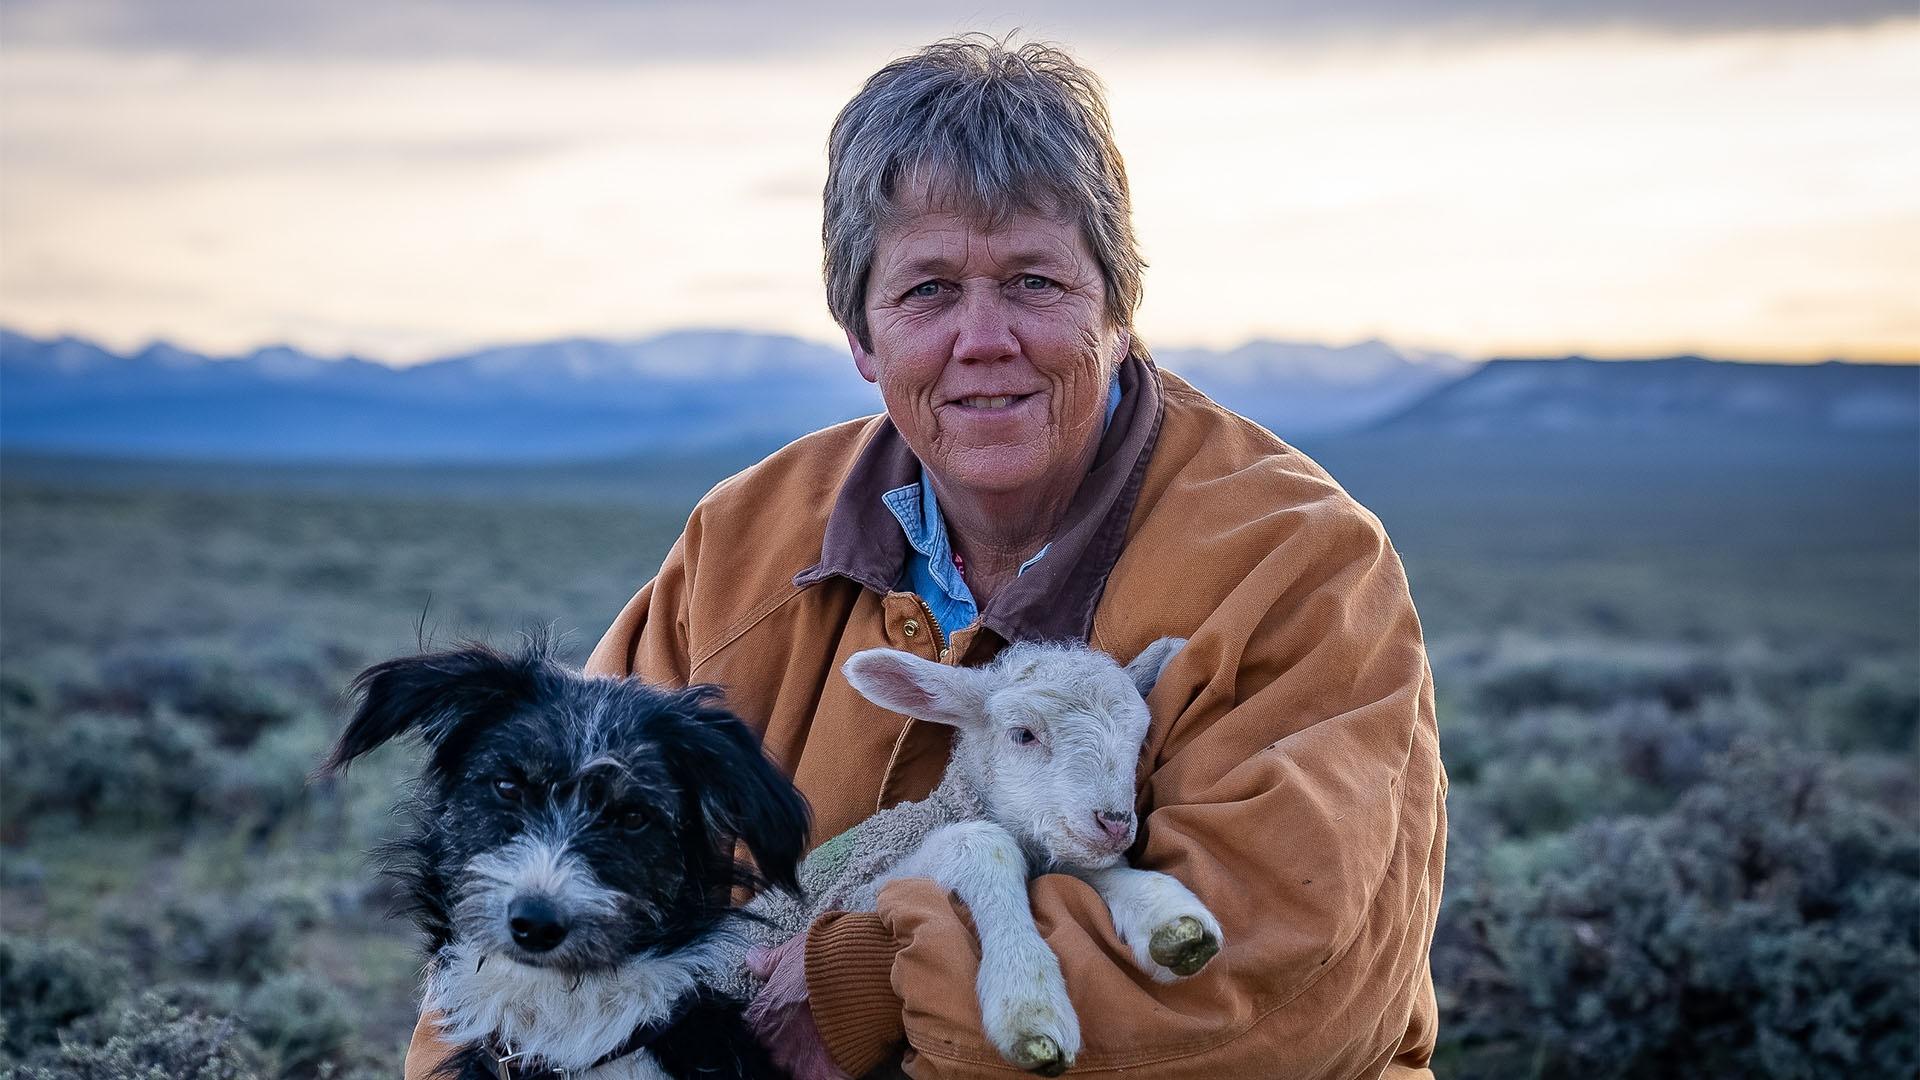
(1022, 736)
(634, 818)
(507, 790)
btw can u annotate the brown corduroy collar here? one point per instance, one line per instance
(1052, 601)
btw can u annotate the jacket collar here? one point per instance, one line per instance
(1054, 601)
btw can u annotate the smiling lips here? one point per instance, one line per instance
(987, 402)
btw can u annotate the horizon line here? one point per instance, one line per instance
(1414, 354)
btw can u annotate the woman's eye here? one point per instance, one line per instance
(1022, 736)
(1035, 281)
(507, 790)
(925, 289)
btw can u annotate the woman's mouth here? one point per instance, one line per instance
(990, 402)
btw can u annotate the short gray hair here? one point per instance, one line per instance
(1000, 129)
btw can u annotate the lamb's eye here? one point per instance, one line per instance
(1022, 736)
(507, 790)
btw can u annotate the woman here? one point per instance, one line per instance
(1035, 477)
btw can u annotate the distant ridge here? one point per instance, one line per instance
(577, 398)
(1508, 396)
(701, 391)
(1303, 389)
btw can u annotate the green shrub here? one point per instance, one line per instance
(23, 691)
(1766, 926)
(1875, 707)
(299, 1021)
(265, 786)
(47, 986)
(241, 939)
(1546, 770)
(157, 773)
(1597, 676)
(234, 706)
(107, 768)
(151, 1040)
(245, 942)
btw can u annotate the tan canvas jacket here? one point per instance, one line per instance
(1291, 777)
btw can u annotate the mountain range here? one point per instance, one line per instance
(691, 391)
(1676, 394)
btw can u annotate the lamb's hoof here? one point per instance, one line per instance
(1183, 946)
(1040, 1055)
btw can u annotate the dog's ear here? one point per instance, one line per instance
(434, 693)
(741, 795)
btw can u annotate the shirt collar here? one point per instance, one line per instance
(918, 510)
(1054, 600)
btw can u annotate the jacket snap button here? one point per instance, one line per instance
(911, 628)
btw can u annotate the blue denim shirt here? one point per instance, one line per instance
(930, 569)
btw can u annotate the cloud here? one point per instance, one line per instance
(613, 31)
(1610, 192)
(134, 163)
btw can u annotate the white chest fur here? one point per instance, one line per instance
(565, 1020)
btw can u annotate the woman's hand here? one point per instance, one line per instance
(780, 1015)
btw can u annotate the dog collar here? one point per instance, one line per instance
(511, 1064)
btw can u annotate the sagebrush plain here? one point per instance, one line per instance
(1679, 689)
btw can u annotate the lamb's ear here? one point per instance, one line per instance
(1146, 668)
(434, 693)
(919, 688)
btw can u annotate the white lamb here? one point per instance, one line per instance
(1041, 779)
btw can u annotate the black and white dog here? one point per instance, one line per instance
(571, 861)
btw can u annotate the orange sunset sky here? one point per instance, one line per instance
(403, 180)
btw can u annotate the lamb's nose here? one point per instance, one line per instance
(536, 923)
(1116, 823)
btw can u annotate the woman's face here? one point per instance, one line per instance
(991, 348)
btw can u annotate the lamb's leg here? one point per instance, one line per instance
(1023, 997)
(1171, 933)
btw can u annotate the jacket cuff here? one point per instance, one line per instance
(849, 968)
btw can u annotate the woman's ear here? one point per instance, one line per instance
(862, 359)
(920, 688)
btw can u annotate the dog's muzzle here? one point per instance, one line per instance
(536, 923)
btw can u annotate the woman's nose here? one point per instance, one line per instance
(986, 328)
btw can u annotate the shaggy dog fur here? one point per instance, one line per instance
(572, 858)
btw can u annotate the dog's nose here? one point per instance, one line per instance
(536, 923)
(1116, 823)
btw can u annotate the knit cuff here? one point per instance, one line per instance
(849, 970)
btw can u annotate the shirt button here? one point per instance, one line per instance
(911, 628)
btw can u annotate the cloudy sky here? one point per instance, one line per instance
(1489, 177)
